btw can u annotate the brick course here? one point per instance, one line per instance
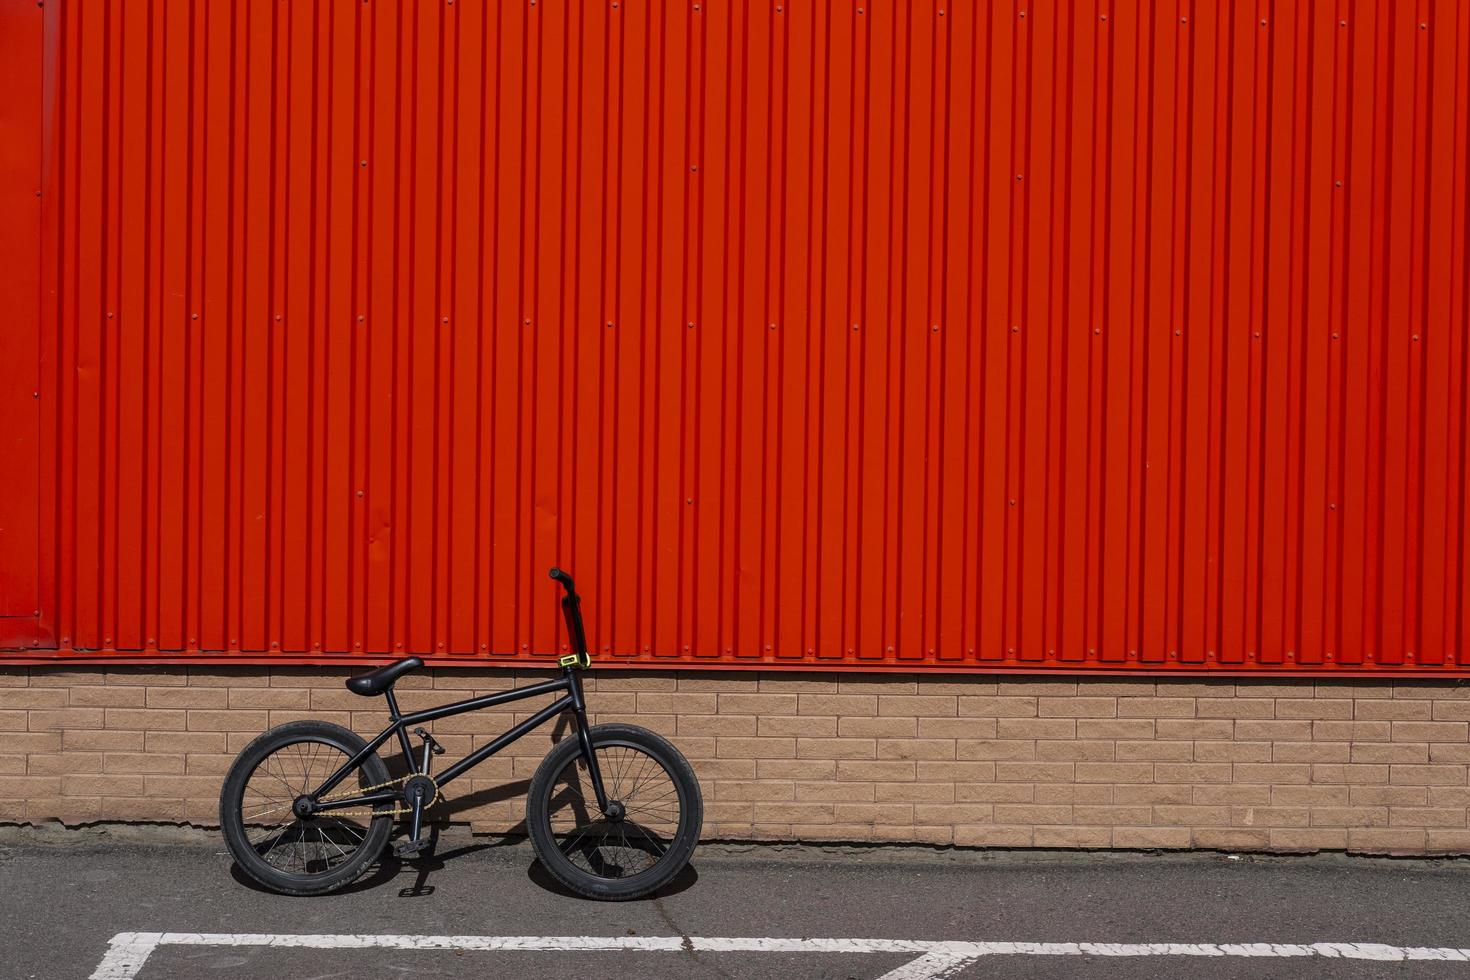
(1284, 765)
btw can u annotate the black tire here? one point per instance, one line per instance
(600, 859)
(284, 762)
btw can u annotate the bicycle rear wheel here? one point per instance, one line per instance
(301, 856)
(629, 855)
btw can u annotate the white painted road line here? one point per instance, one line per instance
(129, 951)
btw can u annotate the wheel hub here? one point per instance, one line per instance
(615, 811)
(303, 806)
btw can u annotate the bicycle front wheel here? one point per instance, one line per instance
(650, 836)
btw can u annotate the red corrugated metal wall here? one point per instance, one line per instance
(936, 334)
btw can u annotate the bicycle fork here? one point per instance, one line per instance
(594, 772)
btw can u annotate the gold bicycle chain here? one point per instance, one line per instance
(346, 794)
(395, 812)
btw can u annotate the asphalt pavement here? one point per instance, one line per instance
(170, 904)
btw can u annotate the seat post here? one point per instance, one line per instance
(394, 715)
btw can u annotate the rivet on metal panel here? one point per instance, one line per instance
(275, 645)
(441, 646)
(615, 6)
(444, 319)
(1018, 176)
(1015, 328)
(1258, 334)
(890, 649)
(609, 325)
(693, 168)
(768, 648)
(1184, 20)
(316, 645)
(1172, 655)
(1013, 503)
(234, 641)
(935, 328)
(357, 646)
(1342, 23)
(398, 646)
(689, 501)
(109, 314)
(689, 326)
(35, 394)
(854, 326)
(107, 641)
(696, 8)
(150, 641)
(941, 13)
(1179, 333)
(1415, 338)
(1103, 18)
(1263, 22)
(484, 646)
(360, 318)
(194, 317)
(778, 10)
(1334, 335)
(1133, 653)
(362, 163)
(860, 10)
(1022, 15)
(1422, 27)
(773, 326)
(1332, 507)
(278, 316)
(527, 321)
(1097, 331)
(1010, 652)
(1337, 183)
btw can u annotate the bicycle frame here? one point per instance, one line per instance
(572, 699)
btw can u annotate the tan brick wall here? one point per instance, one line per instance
(975, 761)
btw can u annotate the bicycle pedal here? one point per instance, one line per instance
(412, 848)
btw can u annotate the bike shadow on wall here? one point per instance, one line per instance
(388, 866)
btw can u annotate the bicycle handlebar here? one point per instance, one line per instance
(557, 575)
(571, 608)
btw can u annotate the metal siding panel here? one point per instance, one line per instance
(22, 116)
(958, 335)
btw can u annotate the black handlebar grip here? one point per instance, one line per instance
(557, 575)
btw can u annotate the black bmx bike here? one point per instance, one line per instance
(613, 813)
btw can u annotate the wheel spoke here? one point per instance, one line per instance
(628, 846)
(304, 848)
